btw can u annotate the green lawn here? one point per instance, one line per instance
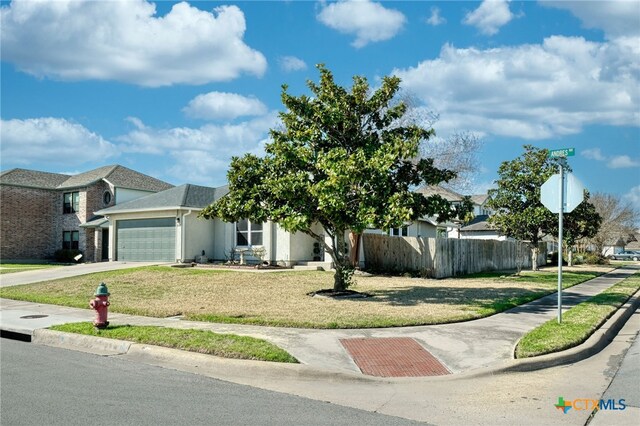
(201, 341)
(7, 268)
(578, 323)
(282, 298)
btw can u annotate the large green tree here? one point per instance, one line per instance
(343, 159)
(519, 213)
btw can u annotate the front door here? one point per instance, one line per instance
(105, 244)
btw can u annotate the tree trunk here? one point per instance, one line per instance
(569, 256)
(340, 261)
(534, 257)
(354, 254)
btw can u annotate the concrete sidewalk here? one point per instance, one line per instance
(461, 347)
(47, 274)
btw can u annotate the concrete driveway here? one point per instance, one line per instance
(28, 277)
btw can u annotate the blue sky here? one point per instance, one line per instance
(174, 89)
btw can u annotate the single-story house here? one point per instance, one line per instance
(480, 229)
(165, 227)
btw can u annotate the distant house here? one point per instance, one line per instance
(480, 229)
(480, 207)
(42, 212)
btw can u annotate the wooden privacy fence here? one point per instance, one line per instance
(445, 257)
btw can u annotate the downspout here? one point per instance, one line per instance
(183, 232)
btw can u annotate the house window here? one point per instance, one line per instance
(71, 202)
(398, 232)
(70, 240)
(106, 198)
(248, 233)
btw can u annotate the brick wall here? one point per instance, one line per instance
(32, 221)
(26, 217)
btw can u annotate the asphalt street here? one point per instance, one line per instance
(51, 386)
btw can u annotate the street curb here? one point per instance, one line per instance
(594, 344)
(237, 370)
(222, 368)
(81, 342)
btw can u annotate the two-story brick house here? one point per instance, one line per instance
(42, 212)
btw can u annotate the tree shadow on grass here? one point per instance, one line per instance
(481, 297)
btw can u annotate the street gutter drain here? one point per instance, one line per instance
(33, 316)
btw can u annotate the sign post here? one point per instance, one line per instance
(570, 193)
(560, 220)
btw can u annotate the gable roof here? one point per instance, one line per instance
(479, 199)
(117, 175)
(183, 196)
(445, 193)
(32, 178)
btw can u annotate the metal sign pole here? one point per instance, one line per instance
(561, 191)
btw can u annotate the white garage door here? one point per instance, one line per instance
(146, 240)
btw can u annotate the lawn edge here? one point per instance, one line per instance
(603, 331)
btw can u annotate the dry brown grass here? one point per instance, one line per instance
(282, 298)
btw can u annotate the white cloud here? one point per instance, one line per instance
(126, 41)
(633, 196)
(622, 162)
(616, 18)
(531, 91)
(490, 16)
(224, 106)
(435, 19)
(369, 21)
(613, 162)
(593, 154)
(51, 140)
(291, 63)
(201, 155)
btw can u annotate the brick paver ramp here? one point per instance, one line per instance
(393, 357)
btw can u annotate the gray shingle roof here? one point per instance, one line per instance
(447, 194)
(479, 223)
(119, 176)
(32, 178)
(186, 195)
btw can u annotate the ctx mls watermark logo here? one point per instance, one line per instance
(581, 404)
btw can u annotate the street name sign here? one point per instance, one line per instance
(562, 153)
(572, 197)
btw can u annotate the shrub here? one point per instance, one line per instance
(595, 259)
(66, 255)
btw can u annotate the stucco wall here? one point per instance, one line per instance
(122, 195)
(199, 234)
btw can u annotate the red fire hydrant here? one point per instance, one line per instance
(101, 306)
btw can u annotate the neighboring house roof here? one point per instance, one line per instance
(117, 175)
(478, 224)
(633, 243)
(179, 197)
(445, 193)
(32, 178)
(479, 199)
